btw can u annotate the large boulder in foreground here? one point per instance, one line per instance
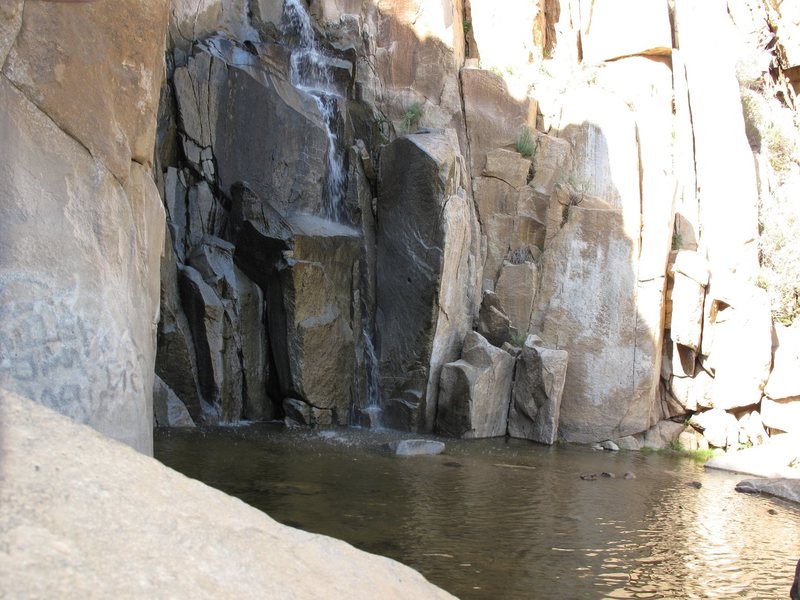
(61, 477)
(427, 271)
(474, 392)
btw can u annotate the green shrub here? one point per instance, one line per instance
(526, 144)
(412, 116)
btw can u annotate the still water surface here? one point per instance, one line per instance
(506, 518)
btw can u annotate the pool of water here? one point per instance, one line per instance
(507, 518)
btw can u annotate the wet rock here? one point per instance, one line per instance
(417, 447)
(694, 484)
(474, 392)
(629, 475)
(536, 400)
(427, 264)
(589, 477)
(608, 475)
(168, 409)
(609, 445)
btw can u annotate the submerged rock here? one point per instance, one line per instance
(788, 489)
(417, 447)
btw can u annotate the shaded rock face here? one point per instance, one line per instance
(427, 269)
(474, 391)
(536, 401)
(81, 221)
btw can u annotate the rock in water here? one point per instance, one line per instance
(417, 447)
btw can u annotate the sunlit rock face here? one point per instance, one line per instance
(82, 222)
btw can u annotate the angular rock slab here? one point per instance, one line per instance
(168, 409)
(587, 305)
(59, 477)
(474, 392)
(427, 269)
(536, 401)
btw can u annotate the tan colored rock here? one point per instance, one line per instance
(79, 273)
(104, 93)
(783, 415)
(783, 380)
(59, 477)
(10, 24)
(587, 305)
(474, 391)
(493, 322)
(497, 27)
(719, 427)
(508, 166)
(603, 39)
(553, 157)
(662, 434)
(536, 399)
(494, 118)
(516, 290)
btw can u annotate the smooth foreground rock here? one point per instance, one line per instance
(778, 457)
(83, 516)
(474, 392)
(536, 402)
(788, 489)
(417, 447)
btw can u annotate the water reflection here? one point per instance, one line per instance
(508, 519)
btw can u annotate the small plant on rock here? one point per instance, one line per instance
(412, 116)
(525, 142)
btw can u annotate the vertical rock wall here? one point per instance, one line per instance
(81, 221)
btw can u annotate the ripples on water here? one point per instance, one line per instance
(510, 519)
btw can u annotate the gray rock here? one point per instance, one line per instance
(536, 402)
(67, 476)
(168, 409)
(609, 445)
(628, 443)
(427, 267)
(474, 392)
(493, 323)
(788, 489)
(417, 447)
(516, 290)
(662, 434)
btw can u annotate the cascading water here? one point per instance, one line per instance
(312, 72)
(373, 408)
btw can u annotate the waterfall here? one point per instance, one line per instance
(373, 408)
(312, 72)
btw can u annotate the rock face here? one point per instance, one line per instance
(536, 400)
(60, 476)
(427, 271)
(474, 391)
(81, 221)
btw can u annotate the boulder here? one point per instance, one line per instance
(97, 505)
(772, 459)
(79, 268)
(662, 434)
(416, 447)
(601, 36)
(427, 267)
(788, 489)
(783, 415)
(474, 391)
(628, 442)
(719, 427)
(741, 372)
(493, 323)
(516, 291)
(168, 409)
(104, 94)
(507, 166)
(536, 400)
(783, 381)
